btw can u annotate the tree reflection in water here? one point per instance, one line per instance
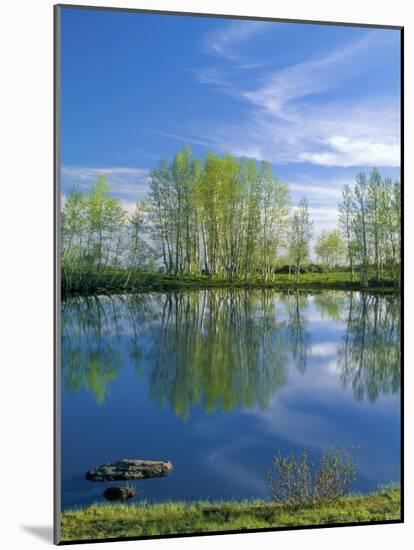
(219, 349)
(369, 353)
(224, 349)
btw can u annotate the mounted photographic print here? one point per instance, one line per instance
(228, 274)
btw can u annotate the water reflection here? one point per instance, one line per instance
(369, 353)
(226, 349)
(91, 357)
(223, 350)
(330, 304)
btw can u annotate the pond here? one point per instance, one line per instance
(218, 381)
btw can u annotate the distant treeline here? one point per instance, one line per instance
(226, 217)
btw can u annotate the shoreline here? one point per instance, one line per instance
(110, 284)
(99, 521)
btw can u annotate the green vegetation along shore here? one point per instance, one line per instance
(116, 281)
(101, 521)
(231, 220)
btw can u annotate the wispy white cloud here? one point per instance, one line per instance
(324, 219)
(347, 152)
(315, 76)
(218, 78)
(340, 134)
(129, 184)
(280, 124)
(225, 42)
(188, 138)
(318, 192)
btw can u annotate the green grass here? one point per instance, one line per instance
(113, 281)
(119, 520)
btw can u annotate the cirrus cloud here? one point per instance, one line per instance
(127, 183)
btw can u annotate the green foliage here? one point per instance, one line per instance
(297, 482)
(120, 520)
(370, 219)
(330, 248)
(220, 349)
(225, 348)
(225, 218)
(300, 234)
(330, 304)
(98, 237)
(369, 355)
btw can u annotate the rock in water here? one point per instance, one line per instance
(119, 493)
(126, 470)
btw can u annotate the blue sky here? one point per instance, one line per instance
(321, 103)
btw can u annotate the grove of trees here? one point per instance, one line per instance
(330, 248)
(370, 219)
(229, 218)
(224, 217)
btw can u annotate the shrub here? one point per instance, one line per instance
(282, 269)
(298, 482)
(316, 268)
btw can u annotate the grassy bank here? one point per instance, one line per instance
(120, 520)
(117, 281)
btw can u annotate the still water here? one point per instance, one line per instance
(218, 381)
